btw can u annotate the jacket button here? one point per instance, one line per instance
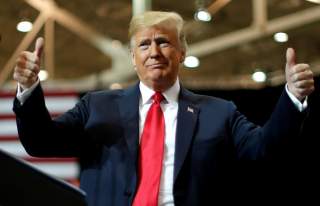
(127, 192)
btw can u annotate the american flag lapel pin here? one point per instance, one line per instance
(189, 109)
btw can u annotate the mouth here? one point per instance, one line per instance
(157, 65)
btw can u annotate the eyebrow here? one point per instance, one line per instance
(162, 39)
(143, 40)
(157, 39)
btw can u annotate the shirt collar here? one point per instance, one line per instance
(171, 94)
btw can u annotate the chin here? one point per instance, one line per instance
(161, 84)
(157, 75)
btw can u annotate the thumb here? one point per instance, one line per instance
(39, 47)
(291, 57)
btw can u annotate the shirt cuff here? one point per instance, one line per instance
(22, 96)
(300, 106)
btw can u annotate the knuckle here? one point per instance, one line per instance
(22, 55)
(294, 70)
(303, 67)
(21, 63)
(36, 68)
(312, 81)
(27, 74)
(306, 66)
(30, 66)
(295, 77)
(297, 84)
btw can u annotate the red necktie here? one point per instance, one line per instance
(151, 155)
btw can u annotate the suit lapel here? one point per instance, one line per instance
(186, 123)
(129, 112)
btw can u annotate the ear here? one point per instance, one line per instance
(183, 56)
(133, 59)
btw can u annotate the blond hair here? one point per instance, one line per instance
(158, 18)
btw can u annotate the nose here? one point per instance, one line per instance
(155, 50)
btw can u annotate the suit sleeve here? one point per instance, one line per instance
(44, 137)
(273, 139)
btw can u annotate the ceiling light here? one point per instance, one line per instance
(191, 62)
(280, 37)
(259, 76)
(202, 15)
(43, 75)
(314, 1)
(24, 26)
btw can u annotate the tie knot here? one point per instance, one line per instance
(157, 97)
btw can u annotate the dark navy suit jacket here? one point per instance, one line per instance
(103, 130)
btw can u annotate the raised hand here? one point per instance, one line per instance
(299, 77)
(28, 65)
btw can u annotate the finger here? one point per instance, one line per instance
(32, 66)
(32, 57)
(306, 91)
(21, 79)
(21, 63)
(305, 75)
(290, 57)
(27, 66)
(39, 47)
(19, 70)
(25, 79)
(304, 84)
(298, 68)
(29, 56)
(25, 73)
(22, 58)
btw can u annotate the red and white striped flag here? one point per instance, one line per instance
(57, 102)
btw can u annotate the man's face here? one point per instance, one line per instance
(156, 55)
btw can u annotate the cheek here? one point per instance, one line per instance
(140, 59)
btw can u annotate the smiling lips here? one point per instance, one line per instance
(157, 65)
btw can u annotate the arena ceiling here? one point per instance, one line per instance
(87, 40)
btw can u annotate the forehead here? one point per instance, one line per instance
(156, 31)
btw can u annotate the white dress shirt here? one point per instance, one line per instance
(170, 110)
(23, 95)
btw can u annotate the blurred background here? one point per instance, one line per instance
(236, 51)
(230, 42)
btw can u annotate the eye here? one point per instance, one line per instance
(162, 42)
(144, 45)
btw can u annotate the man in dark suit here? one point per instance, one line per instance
(204, 137)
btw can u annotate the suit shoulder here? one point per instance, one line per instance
(209, 100)
(103, 94)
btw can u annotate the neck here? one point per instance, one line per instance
(158, 87)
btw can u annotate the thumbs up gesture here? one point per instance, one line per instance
(28, 66)
(299, 77)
